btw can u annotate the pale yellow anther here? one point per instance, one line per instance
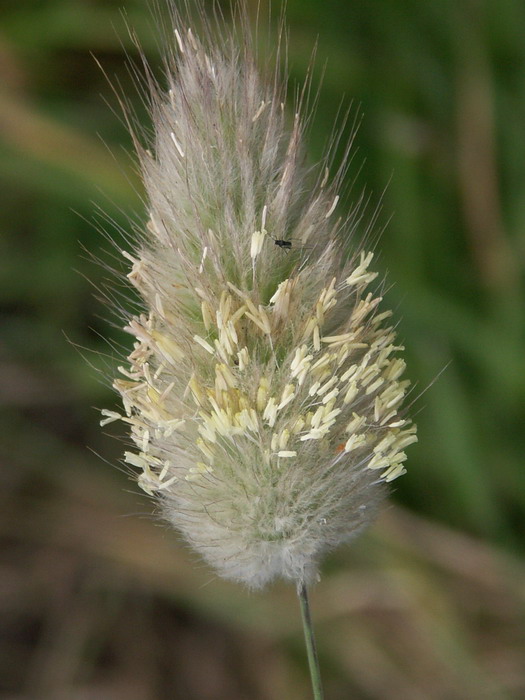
(228, 376)
(327, 385)
(368, 375)
(171, 426)
(263, 217)
(381, 317)
(301, 373)
(309, 328)
(203, 258)
(331, 415)
(205, 448)
(125, 387)
(360, 276)
(319, 313)
(110, 416)
(397, 424)
(232, 333)
(242, 295)
(323, 376)
(203, 344)
(314, 388)
(225, 341)
(159, 306)
(281, 290)
(167, 347)
(283, 438)
(251, 306)
(364, 307)
(316, 433)
(378, 408)
(331, 395)
(329, 405)
(270, 412)
(243, 358)
(317, 338)
(398, 394)
(287, 396)
(262, 393)
(256, 244)
(142, 461)
(196, 390)
(332, 208)
(128, 255)
(220, 384)
(144, 442)
(261, 320)
(138, 330)
(406, 438)
(393, 472)
(265, 321)
(299, 358)
(251, 419)
(287, 453)
(354, 441)
(206, 315)
(238, 314)
(342, 354)
(152, 395)
(355, 425)
(379, 461)
(351, 393)
(338, 339)
(349, 373)
(298, 425)
(214, 401)
(388, 417)
(222, 422)
(221, 349)
(385, 443)
(322, 362)
(395, 369)
(317, 417)
(207, 430)
(375, 385)
(327, 296)
(198, 471)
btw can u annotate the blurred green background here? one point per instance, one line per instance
(429, 604)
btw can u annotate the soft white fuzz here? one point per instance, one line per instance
(264, 389)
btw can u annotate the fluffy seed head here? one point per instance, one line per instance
(264, 389)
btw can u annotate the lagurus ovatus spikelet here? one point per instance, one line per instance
(264, 389)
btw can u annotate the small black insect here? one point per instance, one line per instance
(283, 244)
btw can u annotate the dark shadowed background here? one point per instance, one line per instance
(101, 602)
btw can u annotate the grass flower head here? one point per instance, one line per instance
(264, 389)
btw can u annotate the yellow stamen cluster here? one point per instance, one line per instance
(334, 388)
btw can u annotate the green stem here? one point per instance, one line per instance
(313, 661)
